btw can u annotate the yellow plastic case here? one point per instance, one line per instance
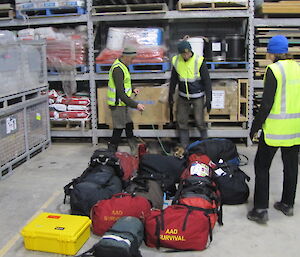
(56, 233)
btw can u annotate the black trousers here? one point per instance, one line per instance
(116, 136)
(262, 163)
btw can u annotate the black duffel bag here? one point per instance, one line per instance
(164, 169)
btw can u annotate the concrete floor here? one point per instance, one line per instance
(37, 186)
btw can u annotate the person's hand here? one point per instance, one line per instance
(208, 106)
(252, 133)
(136, 91)
(140, 107)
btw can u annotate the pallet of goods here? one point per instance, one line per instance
(6, 12)
(119, 7)
(69, 112)
(229, 103)
(66, 48)
(281, 8)
(202, 5)
(40, 9)
(156, 107)
(262, 36)
(151, 52)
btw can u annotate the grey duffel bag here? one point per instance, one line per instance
(123, 239)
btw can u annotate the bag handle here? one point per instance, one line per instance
(120, 195)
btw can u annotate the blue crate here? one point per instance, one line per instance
(79, 68)
(137, 67)
(50, 12)
(227, 65)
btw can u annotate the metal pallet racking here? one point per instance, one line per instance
(168, 17)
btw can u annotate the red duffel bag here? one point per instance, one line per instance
(129, 164)
(178, 227)
(106, 212)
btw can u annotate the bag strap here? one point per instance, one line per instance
(89, 252)
(157, 232)
(178, 192)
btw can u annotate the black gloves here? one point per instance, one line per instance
(252, 133)
(208, 106)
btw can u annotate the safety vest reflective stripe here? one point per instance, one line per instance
(283, 88)
(114, 90)
(189, 80)
(197, 95)
(283, 137)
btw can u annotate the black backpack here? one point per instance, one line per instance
(108, 158)
(232, 183)
(215, 149)
(164, 169)
(123, 239)
(95, 183)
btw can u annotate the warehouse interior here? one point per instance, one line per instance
(55, 58)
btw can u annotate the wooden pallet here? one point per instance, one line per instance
(83, 124)
(130, 9)
(292, 50)
(6, 12)
(139, 126)
(199, 5)
(282, 7)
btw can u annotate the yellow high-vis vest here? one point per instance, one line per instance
(282, 126)
(111, 91)
(189, 72)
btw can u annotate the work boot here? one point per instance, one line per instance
(286, 209)
(184, 137)
(112, 147)
(258, 215)
(133, 144)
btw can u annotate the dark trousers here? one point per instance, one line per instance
(116, 136)
(262, 163)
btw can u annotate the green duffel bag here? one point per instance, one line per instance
(123, 239)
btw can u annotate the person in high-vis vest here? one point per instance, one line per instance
(119, 100)
(191, 74)
(279, 121)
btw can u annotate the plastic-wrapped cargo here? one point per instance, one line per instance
(149, 43)
(66, 50)
(20, 62)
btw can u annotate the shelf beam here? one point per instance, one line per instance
(44, 21)
(166, 75)
(175, 15)
(224, 133)
(277, 22)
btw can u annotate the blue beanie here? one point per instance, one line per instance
(184, 47)
(278, 45)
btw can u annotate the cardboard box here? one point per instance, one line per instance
(156, 108)
(224, 106)
(56, 233)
